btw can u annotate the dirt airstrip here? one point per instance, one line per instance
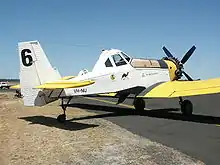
(31, 135)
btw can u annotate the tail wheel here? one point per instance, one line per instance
(61, 118)
(186, 107)
(139, 104)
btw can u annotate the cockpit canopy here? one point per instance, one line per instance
(115, 58)
(109, 59)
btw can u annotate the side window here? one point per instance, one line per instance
(108, 63)
(118, 60)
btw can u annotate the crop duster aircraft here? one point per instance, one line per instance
(114, 74)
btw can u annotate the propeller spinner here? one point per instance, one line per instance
(179, 63)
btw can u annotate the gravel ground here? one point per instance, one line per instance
(31, 135)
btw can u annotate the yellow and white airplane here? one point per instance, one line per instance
(115, 74)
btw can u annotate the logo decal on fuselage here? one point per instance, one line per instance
(125, 75)
(148, 74)
(112, 77)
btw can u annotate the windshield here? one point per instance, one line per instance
(126, 57)
(118, 60)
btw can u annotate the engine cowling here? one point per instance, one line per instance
(172, 70)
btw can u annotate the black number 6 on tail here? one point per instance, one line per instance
(27, 60)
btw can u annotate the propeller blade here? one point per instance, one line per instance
(167, 52)
(188, 54)
(187, 76)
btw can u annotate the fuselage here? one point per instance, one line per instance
(115, 71)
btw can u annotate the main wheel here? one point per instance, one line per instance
(139, 104)
(186, 107)
(61, 118)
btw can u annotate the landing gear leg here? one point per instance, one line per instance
(186, 107)
(139, 104)
(62, 117)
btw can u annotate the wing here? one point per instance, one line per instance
(184, 88)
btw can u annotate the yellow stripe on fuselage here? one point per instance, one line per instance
(108, 94)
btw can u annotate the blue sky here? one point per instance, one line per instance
(72, 33)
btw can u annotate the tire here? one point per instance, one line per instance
(187, 108)
(139, 104)
(61, 118)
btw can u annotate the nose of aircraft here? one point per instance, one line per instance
(172, 69)
(176, 66)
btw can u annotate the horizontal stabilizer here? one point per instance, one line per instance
(65, 84)
(15, 86)
(67, 77)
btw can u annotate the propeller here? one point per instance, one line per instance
(167, 52)
(188, 55)
(187, 76)
(179, 63)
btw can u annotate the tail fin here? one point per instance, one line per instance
(35, 69)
